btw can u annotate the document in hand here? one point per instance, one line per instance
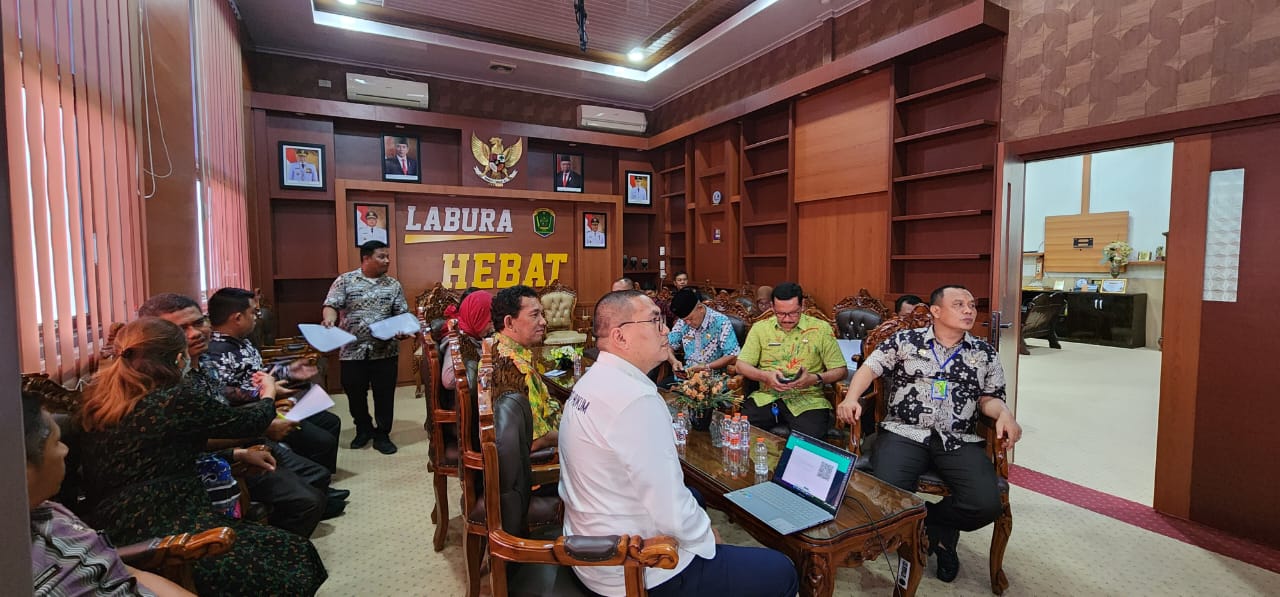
(325, 339)
(404, 323)
(314, 401)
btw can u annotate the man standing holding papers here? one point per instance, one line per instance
(363, 297)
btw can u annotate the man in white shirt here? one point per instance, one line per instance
(620, 473)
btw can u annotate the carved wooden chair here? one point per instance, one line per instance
(443, 452)
(862, 443)
(857, 314)
(738, 314)
(1041, 318)
(264, 329)
(543, 511)
(558, 303)
(430, 307)
(504, 419)
(169, 556)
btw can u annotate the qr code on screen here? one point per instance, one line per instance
(825, 470)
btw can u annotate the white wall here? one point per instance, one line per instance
(1053, 189)
(1138, 180)
(1135, 179)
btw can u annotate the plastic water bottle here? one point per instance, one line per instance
(735, 436)
(577, 365)
(681, 428)
(760, 454)
(716, 429)
(744, 427)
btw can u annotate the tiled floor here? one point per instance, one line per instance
(1088, 415)
(382, 545)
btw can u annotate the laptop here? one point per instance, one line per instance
(806, 489)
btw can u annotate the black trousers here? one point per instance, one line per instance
(813, 423)
(975, 493)
(295, 491)
(357, 378)
(317, 439)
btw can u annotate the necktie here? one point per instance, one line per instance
(404, 168)
(566, 180)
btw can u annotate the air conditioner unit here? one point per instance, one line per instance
(611, 119)
(381, 90)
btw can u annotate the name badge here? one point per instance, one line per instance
(938, 389)
(775, 344)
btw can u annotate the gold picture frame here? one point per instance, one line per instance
(1114, 286)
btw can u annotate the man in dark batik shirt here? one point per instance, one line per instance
(233, 313)
(942, 377)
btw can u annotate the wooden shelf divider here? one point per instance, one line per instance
(772, 174)
(960, 213)
(957, 85)
(670, 195)
(941, 173)
(946, 130)
(941, 257)
(764, 256)
(763, 223)
(713, 171)
(766, 142)
(672, 169)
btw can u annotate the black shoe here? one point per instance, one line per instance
(338, 494)
(383, 444)
(333, 508)
(944, 546)
(361, 440)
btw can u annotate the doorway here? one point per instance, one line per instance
(1088, 382)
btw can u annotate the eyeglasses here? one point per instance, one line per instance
(658, 322)
(791, 315)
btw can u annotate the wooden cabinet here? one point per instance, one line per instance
(1106, 319)
(714, 223)
(673, 202)
(766, 210)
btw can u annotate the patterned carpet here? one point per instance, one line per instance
(382, 545)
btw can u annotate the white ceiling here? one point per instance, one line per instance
(295, 28)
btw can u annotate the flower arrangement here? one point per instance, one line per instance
(1117, 253)
(704, 390)
(564, 352)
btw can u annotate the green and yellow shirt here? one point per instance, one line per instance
(810, 344)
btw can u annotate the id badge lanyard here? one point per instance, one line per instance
(940, 387)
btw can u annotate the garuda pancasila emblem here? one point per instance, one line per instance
(497, 165)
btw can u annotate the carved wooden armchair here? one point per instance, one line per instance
(504, 419)
(558, 303)
(543, 511)
(862, 443)
(169, 556)
(443, 452)
(737, 313)
(430, 307)
(858, 314)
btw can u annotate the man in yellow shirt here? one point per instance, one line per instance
(791, 355)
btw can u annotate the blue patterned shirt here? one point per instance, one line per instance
(706, 343)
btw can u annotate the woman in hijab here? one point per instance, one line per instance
(475, 323)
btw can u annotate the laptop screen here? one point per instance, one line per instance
(814, 468)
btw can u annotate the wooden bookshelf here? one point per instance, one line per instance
(766, 207)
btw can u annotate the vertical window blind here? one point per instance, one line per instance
(71, 87)
(219, 76)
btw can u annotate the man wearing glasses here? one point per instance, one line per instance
(620, 472)
(791, 355)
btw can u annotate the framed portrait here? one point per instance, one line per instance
(568, 176)
(400, 159)
(370, 221)
(301, 166)
(1114, 286)
(595, 229)
(639, 185)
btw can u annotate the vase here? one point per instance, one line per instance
(1115, 270)
(700, 420)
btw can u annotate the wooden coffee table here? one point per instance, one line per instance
(876, 517)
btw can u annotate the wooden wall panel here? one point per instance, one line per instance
(843, 246)
(1180, 359)
(1235, 480)
(173, 252)
(842, 140)
(1060, 232)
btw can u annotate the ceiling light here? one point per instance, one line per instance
(635, 55)
(348, 2)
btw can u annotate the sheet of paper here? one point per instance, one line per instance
(325, 339)
(404, 323)
(314, 401)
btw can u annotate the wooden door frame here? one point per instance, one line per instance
(1190, 131)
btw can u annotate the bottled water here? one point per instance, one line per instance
(760, 454)
(734, 435)
(681, 428)
(716, 429)
(744, 427)
(577, 365)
